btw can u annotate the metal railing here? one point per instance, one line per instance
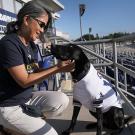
(101, 61)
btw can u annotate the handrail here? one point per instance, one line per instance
(91, 42)
(95, 54)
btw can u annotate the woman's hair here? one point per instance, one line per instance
(31, 9)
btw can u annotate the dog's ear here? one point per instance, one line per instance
(62, 52)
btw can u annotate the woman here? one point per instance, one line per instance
(18, 74)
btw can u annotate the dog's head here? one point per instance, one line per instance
(72, 52)
(66, 52)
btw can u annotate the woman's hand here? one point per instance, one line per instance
(66, 66)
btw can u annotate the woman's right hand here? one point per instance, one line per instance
(66, 66)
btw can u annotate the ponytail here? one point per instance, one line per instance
(11, 27)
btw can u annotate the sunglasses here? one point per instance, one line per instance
(40, 23)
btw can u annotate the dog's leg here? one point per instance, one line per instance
(76, 111)
(99, 121)
(74, 117)
(98, 105)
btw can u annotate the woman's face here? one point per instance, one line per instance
(35, 26)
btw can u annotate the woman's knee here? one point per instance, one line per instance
(55, 103)
(50, 98)
(61, 103)
(63, 98)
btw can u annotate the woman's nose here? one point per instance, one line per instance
(42, 29)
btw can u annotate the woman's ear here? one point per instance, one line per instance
(26, 19)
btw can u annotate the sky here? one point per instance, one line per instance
(103, 16)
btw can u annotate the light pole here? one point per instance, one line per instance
(90, 29)
(81, 12)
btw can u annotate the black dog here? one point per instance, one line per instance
(82, 69)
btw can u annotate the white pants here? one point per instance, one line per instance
(51, 102)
